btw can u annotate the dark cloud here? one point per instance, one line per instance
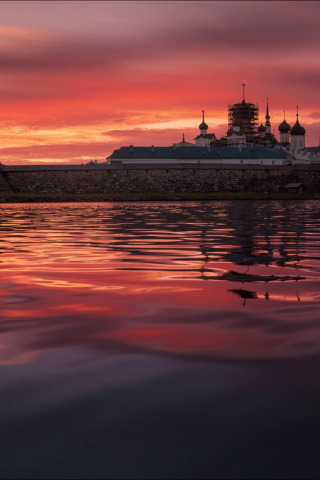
(60, 55)
(261, 30)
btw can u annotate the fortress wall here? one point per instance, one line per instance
(4, 186)
(156, 180)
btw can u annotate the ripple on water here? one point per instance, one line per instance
(132, 263)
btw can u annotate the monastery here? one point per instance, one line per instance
(248, 158)
(246, 142)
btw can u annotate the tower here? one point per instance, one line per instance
(247, 115)
(297, 133)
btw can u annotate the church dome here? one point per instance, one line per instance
(203, 125)
(297, 129)
(261, 128)
(284, 127)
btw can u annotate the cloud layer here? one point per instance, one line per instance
(151, 65)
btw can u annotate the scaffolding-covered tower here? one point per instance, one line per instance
(246, 114)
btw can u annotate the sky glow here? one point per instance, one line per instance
(79, 79)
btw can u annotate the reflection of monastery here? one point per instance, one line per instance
(246, 142)
(258, 235)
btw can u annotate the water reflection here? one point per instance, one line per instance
(159, 340)
(246, 294)
(165, 277)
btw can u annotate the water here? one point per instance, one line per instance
(151, 340)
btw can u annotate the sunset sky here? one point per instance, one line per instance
(81, 78)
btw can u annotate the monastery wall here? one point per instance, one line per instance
(4, 186)
(158, 180)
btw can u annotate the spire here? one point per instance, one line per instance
(284, 115)
(183, 137)
(203, 115)
(267, 114)
(267, 124)
(297, 114)
(243, 85)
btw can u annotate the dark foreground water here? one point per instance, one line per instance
(150, 340)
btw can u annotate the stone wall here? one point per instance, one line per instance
(166, 180)
(4, 186)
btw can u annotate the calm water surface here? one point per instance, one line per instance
(150, 340)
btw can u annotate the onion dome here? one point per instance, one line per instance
(297, 129)
(284, 127)
(261, 128)
(203, 125)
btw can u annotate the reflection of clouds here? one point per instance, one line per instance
(225, 333)
(18, 299)
(130, 281)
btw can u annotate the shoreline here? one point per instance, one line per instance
(10, 197)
